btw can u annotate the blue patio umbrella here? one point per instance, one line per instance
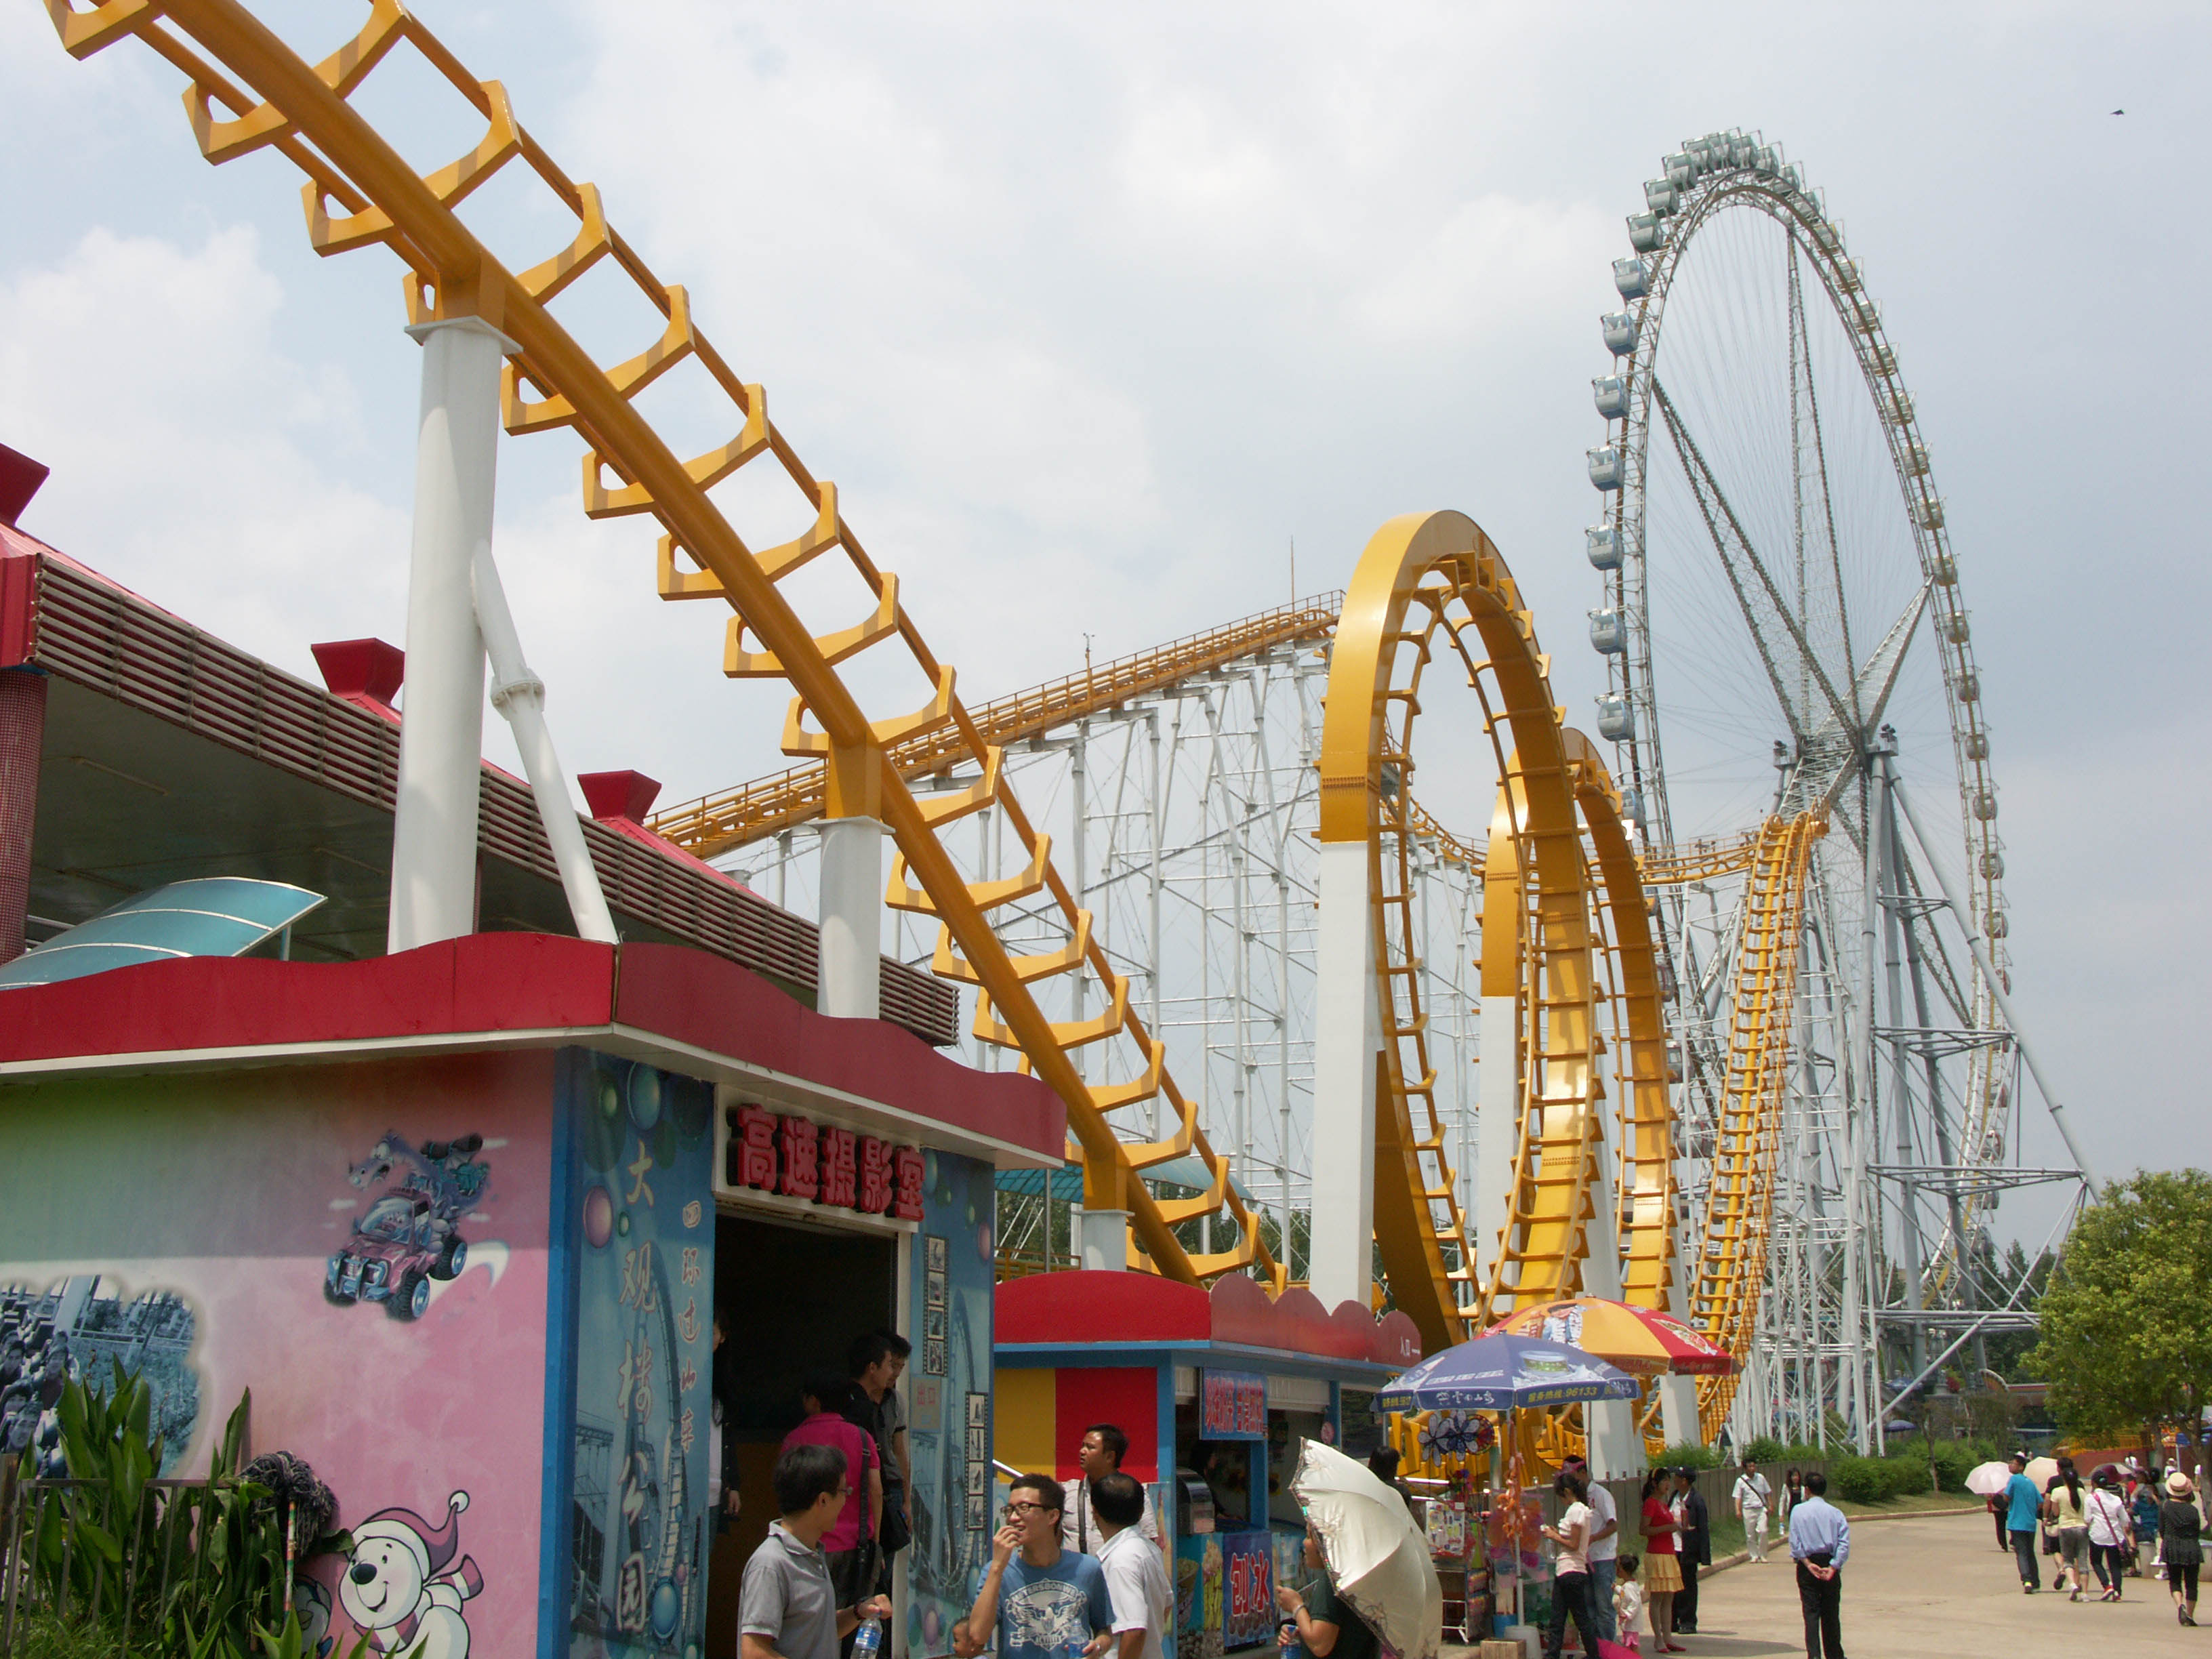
(1503, 1372)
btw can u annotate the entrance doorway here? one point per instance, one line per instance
(792, 1299)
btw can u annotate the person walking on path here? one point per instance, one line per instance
(2068, 1516)
(850, 1540)
(1604, 1547)
(2023, 1507)
(2144, 1512)
(1099, 1454)
(1697, 1549)
(1042, 1602)
(1571, 1574)
(1752, 1495)
(2110, 1528)
(1136, 1576)
(2178, 1530)
(788, 1608)
(1662, 1573)
(1819, 1543)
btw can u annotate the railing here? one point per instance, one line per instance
(1020, 1264)
(122, 1566)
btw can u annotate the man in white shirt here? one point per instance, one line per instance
(1753, 1496)
(1099, 1454)
(1604, 1550)
(1136, 1577)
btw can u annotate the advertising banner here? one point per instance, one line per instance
(1232, 1405)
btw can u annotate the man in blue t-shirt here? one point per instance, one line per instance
(2023, 1508)
(1044, 1602)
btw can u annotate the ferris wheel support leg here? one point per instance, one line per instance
(1974, 943)
(849, 972)
(1347, 1035)
(434, 832)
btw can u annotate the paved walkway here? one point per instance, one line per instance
(1936, 1588)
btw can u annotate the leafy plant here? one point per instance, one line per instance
(1690, 1454)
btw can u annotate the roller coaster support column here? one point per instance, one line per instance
(1348, 1035)
(433, 832)
(850, 975)
(1998, 991)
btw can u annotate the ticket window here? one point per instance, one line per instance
(792, 1299)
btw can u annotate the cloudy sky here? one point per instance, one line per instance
(1090, 311)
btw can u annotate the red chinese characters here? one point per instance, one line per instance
(752, 1149)
(799, 1141)
(875, 1175)
(906, 1165)
(838, 1168)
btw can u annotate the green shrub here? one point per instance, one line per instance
(1952, 1461)
(1764, 1450)
(1907, 1477)
(1859, 1479)
(1690, 1454)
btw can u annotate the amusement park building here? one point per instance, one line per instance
(461, 1218)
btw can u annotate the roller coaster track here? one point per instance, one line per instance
(360, 192)
(1732, 1259)
(720, 823)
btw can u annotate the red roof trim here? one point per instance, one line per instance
(497, 982)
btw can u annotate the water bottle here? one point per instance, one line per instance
(868, 1640)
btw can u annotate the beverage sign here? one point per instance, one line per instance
(1232, 1405)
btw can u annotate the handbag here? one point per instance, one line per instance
(2050, 1542)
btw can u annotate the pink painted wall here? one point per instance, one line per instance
(230, 1191)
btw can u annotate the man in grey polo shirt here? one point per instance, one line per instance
(788, 1608)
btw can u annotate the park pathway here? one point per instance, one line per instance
(1937, 1588)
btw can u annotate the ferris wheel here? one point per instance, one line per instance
(1801, 738)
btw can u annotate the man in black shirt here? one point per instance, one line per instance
(1697, 1548)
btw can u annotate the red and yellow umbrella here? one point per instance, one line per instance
(1641, 1341)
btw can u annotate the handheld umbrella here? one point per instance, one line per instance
(1376, 1556)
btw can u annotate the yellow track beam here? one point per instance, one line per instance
(1425, 582)
(1732, 1256)
(362, 191)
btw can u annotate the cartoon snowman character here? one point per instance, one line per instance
(401, 1587)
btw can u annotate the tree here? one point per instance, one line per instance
(2124, 1343)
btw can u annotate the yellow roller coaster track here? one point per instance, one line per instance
(361, 191)
(1732, 1258)
(718, 823)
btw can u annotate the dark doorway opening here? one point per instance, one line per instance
(792, 1299)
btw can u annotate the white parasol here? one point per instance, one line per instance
(1988, 1480)
(1377, 1557)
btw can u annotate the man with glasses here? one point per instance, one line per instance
(1043, 1601)
(787, 1608)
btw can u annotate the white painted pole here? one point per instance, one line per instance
(520, 696)
(434, 834)
(1346, 1034)
(849, 982)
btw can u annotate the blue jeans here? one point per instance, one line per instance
(1601, 1589)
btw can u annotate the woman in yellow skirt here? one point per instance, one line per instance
(1662, 1573)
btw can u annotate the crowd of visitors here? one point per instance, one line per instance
(2103, 1525)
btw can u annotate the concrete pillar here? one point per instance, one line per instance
(1678, 1410)
(434, 836)
(23, 740)
(1616, 1449)
(1497, 1103)
(851, 944)
(1346, 1036)
(1105, 1243)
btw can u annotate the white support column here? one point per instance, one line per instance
(433, 834)
(851, 944)
(1346, 1034)
(1105, 1240)
(1498, 1106)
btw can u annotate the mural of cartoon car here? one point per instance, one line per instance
(411, 1234)
(405, 1241)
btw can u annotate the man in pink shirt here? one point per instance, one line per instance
(850, 1549)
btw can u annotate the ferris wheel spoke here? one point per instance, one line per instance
(1832, 756)
(1801, 351)
(1765, 612)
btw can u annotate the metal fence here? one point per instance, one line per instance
(83, 1553)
